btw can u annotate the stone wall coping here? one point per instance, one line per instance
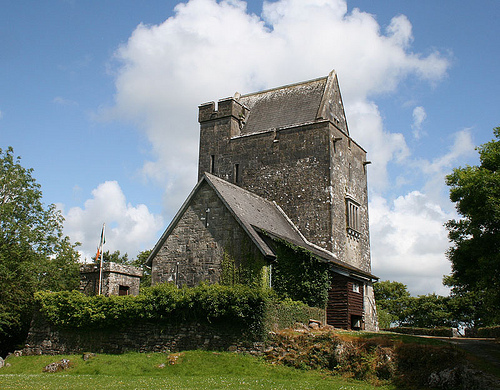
(123, 269)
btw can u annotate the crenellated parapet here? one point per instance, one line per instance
(228, 107)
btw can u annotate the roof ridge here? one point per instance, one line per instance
(282, 87)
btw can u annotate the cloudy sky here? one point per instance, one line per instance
(101, 98)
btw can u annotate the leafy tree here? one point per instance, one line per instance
(34, 254)
(429, 311)
(475, 251)
(385, 320)
(115, 257)
(393, 298)
(140, 262)
(398, 307)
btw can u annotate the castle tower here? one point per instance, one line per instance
(292, 145)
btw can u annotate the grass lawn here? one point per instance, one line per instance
(191, 370)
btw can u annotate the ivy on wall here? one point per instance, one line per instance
(250, 269)
(299, 275)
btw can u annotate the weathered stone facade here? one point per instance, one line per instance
(117, 279)
(197, 249)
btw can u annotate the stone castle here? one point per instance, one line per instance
(280, 164)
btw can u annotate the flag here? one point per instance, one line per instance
(101, 244)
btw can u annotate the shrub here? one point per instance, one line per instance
(281, 314)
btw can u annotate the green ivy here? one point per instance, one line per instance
(250, 269)
(299, 275)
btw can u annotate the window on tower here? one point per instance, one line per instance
(212, 163)
(236, 173)
(352, 218)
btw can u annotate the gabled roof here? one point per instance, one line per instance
(295, 104)
(259, 218)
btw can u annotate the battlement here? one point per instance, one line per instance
(228, 107)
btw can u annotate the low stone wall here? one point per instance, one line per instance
(142, 337)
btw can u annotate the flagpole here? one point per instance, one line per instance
(100, 264)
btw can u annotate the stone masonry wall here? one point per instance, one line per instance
(141, 337)
(199, 250)
(289, 166)
(113, 276)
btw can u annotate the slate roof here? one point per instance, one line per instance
(260, 219)
(285, 106)
(294, 104)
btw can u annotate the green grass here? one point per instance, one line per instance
(193, 370)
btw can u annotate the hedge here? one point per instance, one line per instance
(255, 310)
(487, 332)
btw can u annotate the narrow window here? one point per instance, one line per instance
(355, 287)
(212, 164)
(352, 218)
(236, 173)
(207, 215)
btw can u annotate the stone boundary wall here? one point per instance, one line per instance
(140, 337)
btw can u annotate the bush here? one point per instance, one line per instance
(360, 359)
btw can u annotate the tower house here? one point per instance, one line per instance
(292, 145)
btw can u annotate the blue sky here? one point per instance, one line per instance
(100, 98)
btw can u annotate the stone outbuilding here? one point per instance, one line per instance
(277, 164)
(117, 279)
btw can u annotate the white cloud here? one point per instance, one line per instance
(419, 116)
(209, 50)
(400, 30)
(408, 237)
(410, 241)
(129, 228)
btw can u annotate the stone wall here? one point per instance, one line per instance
(141, 337)
(198, 250)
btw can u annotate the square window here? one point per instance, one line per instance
(123, 290)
